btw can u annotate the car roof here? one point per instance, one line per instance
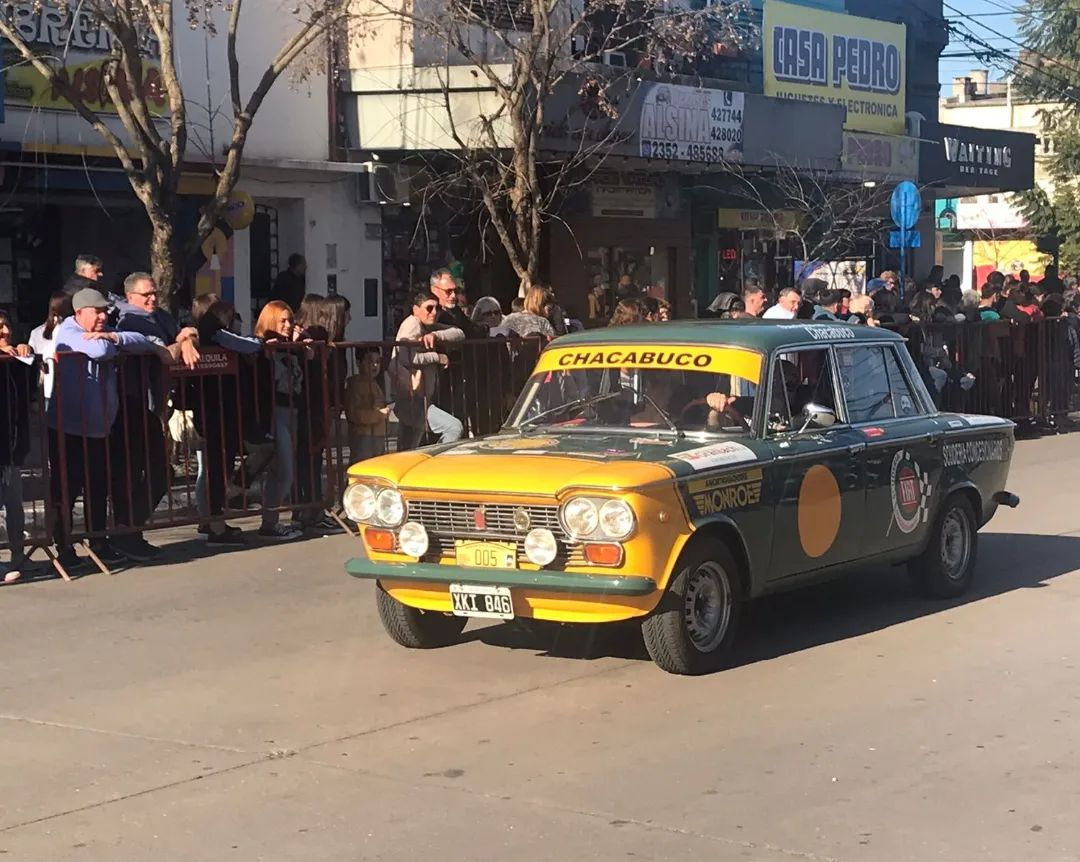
(761, 335)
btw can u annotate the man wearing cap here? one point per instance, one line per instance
(80, 417)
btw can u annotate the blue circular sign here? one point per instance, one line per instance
(905, 205)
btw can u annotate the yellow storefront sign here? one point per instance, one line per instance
(692, 357)
(27, 87)
(817, 56)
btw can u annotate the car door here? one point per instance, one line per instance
(902, 456)
(816, 472)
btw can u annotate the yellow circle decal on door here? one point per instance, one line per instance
(819, 511)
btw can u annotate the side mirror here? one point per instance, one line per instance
(817, 416)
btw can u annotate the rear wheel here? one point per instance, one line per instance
(414, 628)
(695, 624)
(946, 568)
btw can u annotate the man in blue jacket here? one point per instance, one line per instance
(80, 418)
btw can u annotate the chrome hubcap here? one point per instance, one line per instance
(955, 545)
(707, 606)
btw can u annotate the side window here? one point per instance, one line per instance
(798, 379)
(904, 400)
(866, 384)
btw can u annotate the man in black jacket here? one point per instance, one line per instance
(460, 392)
(291, 284)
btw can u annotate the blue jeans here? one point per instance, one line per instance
(364, 446)
(278, 483)
(447, 428)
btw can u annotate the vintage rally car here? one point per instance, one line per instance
(670, 473)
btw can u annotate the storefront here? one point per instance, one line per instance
(979, 229)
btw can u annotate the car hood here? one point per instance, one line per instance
(544, 464)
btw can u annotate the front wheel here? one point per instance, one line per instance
(414, 628)
(695, 623)
(946, 568)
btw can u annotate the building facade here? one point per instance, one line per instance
(986, 230)
(64, 192)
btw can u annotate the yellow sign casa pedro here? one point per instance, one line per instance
(696, 357)
(838, 59)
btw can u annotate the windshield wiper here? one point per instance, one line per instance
(569, 405)
(663, 414)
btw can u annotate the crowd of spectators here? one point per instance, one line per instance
(450, 373)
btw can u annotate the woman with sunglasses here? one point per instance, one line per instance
(414, 370)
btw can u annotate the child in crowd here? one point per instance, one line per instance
(365, 407)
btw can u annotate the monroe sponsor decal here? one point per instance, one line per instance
(733, 491)
(974, 452)
(716, 455)
(911, 490)
(676, 357)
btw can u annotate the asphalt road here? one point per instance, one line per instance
(247, 706)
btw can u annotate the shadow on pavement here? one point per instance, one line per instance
(863, 602)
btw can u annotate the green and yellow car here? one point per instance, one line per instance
(671, 473)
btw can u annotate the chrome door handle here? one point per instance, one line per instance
(856, 448)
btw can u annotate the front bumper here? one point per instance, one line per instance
(540, 581)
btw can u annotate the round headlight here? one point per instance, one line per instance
(359, 502)
(541, 547)
(580, 517)
(390, 507)
(413, 539)
(616, 519)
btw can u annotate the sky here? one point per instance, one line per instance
(979, 17)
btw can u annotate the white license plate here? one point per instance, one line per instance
(493, 603)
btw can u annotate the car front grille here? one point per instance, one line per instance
(449, 520)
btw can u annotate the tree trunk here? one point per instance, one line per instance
(165, 258)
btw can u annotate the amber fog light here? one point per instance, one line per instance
(604, 554)
(413, 539)
(541, 547)
(379, 540)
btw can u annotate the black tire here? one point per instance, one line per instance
(946, 568)
(681, 635)
(416, 629)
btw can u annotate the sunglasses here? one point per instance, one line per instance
(427, 309)
(448, 289)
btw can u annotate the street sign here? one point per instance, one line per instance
(905, 205)
(897, 239)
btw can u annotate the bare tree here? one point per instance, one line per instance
(828, 213)
(152, 148)
(516, 157)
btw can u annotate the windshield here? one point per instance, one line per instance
(669, 389)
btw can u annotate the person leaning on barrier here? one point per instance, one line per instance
(140, 464)
(414, 371)
(43, 339)
(220, 403)
(80, 418)
(17, 380)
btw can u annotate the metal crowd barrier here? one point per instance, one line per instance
(1023, 372)
(237, 436)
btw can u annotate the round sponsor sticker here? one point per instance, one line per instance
(911, 490)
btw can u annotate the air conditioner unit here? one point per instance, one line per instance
(616, 59)
(382, 184)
